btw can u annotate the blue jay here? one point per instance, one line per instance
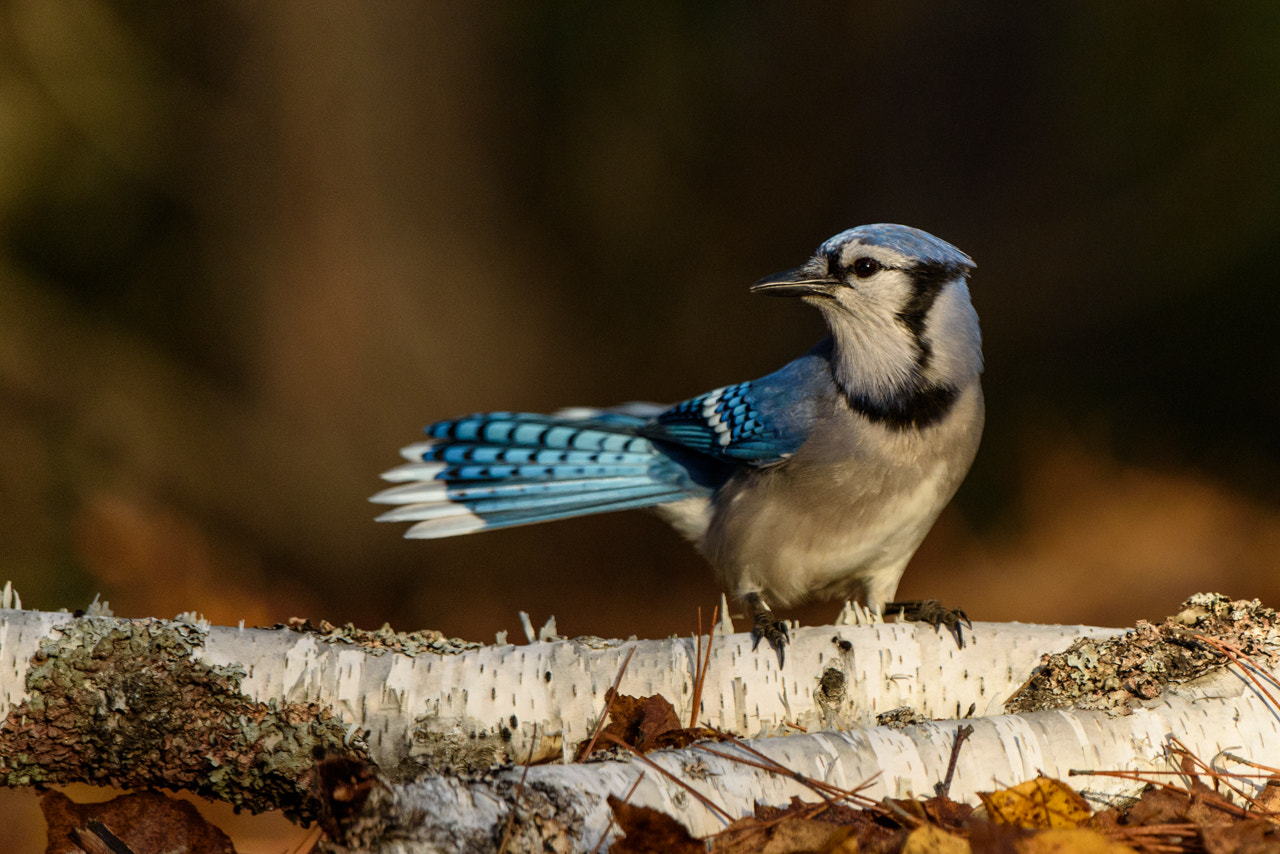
(818, 480)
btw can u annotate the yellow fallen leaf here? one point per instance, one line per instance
(843, 841)
(929, 839)
(1063, 840)
(1042, 802)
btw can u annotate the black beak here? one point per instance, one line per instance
(800, 282)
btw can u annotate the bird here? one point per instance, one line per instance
(819, 480)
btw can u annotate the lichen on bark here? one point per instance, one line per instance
(1118, 674)
(123, 703)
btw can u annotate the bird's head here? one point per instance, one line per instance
(897, 303)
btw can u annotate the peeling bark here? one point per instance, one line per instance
(563, 808)
(401, 738)
(129, 704)
(454, 706)
(243, 714)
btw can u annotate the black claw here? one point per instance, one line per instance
(776, 634)
(933, 612)
(765, 625)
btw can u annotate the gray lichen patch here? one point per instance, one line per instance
(547, 818)
(385, 639)
(835, 711)
(544, 817)
(122, 703)
(440, 748)
(1120, 673)
(900, 718)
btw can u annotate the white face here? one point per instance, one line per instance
(896, 324)
(880, 353)
(876, 279)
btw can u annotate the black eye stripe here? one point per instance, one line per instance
(863, 267)
(835, 267)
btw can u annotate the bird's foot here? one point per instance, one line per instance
(765, 625)
(934, 613)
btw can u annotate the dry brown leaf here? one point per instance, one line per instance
(989, 837)
(796, 835)
(659, 717)
(1269, 800)
(1165, 805)
(778, 831)
(649, 831)
(343, 784)
(844, 828)
(928, 839)
(946, 813)
(148, 822)
(649, 723)
(1042, 802)
(1245, 836)
(638, 721)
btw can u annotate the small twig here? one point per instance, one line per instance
(821, 788)
(701, 666)
(1210, 771)
(515, 801)
(697, 672)
(1246, 664)
(1241, 760)
(703, 799)
(96, 838)
(625, 799)
(1154, 772)
(773, 768)
(1162, 833)
(809, 811)
(943, 788)
(1212, 799)
(585, 750)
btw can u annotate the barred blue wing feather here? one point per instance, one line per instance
(725, 423)
(501, 469)
(755, 423)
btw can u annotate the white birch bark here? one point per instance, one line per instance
(483, 705)
(1220, 712)
(480, 707)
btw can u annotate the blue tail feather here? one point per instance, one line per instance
(502, 469)
(517, 429)
(472, 453)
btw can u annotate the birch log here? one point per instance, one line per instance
(563, 808)
(244, 714)
(467, 709)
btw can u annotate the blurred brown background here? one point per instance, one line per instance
(247, 251)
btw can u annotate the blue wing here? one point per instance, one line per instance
(729, 424)
(498, 469)
(759, 422)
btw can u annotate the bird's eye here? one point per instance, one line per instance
(864, 268)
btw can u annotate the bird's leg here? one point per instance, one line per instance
(765, 625)
(934, 613)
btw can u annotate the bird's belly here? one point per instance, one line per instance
(851, 537)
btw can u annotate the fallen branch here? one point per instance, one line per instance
(246, 714)
(458, 815)
(420, 702)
